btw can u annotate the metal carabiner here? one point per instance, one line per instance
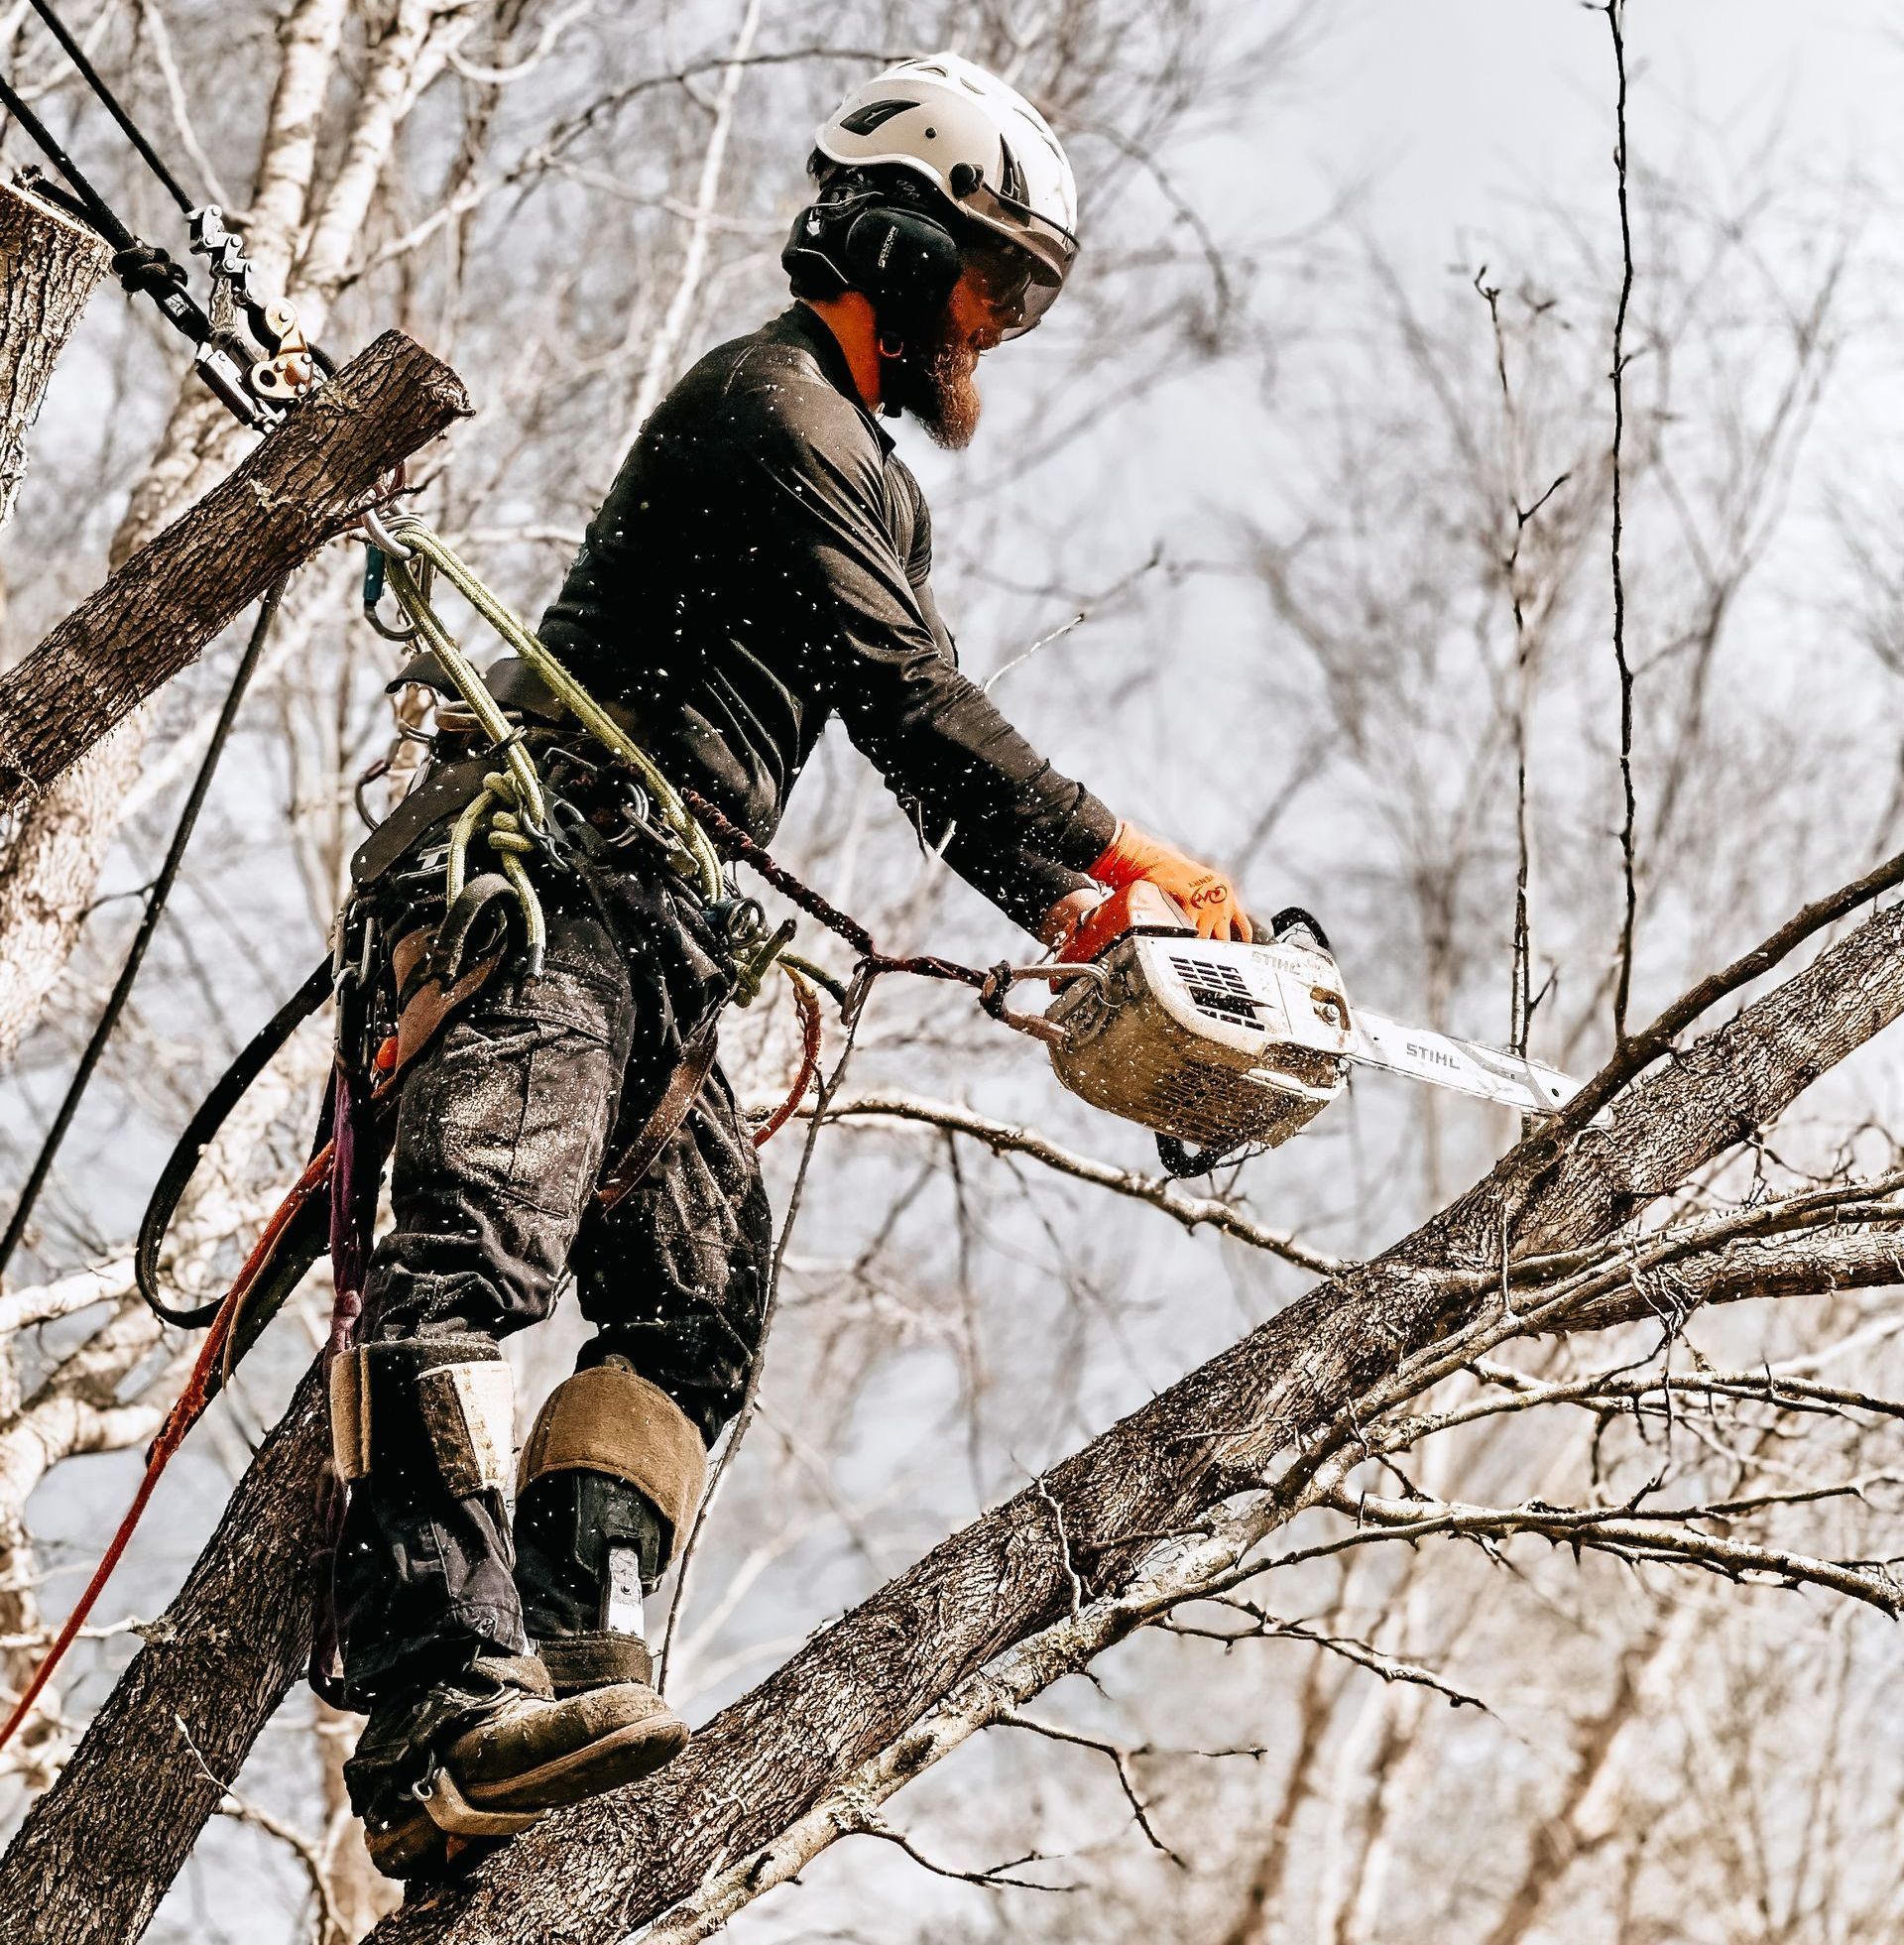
(374, 560)
(381, 545)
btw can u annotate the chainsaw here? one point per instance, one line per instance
(1218, 1044)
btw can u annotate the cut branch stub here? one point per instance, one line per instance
(302, 486)
(49, 267)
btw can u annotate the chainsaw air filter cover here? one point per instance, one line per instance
(1216, 1042)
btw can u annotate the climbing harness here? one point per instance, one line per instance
(256, 391)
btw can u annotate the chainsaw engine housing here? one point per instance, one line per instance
(1216, 1042)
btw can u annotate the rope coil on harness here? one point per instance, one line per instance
(405, 538)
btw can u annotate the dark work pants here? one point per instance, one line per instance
(501, 1132)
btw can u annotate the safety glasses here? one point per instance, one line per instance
(1018, 259)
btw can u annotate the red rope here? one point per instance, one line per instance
(809, 1004)
(185, 1414)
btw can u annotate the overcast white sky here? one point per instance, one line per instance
(1477, 105)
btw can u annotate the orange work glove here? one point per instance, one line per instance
(1206, 895)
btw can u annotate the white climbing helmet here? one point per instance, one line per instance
(982, 146)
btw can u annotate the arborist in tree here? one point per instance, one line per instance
(760, 565)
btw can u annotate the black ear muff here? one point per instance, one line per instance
(906, 262)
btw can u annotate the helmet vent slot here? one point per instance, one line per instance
(863, 121)
(1014, 184)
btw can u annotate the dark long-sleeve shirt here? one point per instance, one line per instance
(762, 563)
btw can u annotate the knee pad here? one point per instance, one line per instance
(608, 1419)
(444, 1402)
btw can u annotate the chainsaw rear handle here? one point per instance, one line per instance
(998, 983)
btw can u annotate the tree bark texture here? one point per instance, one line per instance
(101, 1848)
(49, 267)
(300, 487)
(58, 843)
(230, 1646)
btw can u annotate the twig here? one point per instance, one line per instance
(1646, 1047)
(995, 1879)
(1064, 1547)
(1621, 1532)
(1365, 1655)
(231, 1804)
(1120, 1761)
(1003, 1137)
(1615, 11)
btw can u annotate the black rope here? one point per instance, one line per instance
(155, 907)
(736, 843)
(110, 102)
(142, 266)
(139, 266)
(99, 212)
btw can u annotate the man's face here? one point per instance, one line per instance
(939, 386)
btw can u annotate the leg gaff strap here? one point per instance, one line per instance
(609, 1419)
(451, 1396)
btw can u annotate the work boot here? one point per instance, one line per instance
(442, 1776)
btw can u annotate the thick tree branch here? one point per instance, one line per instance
(98, 1851)
(1279, 1403)
(302, 486)
(1781, 1266)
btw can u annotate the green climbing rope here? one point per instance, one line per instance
(694, 857)
(509, 813)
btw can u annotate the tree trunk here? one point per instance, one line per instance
(59, 842)
(302, 486)
(49, 267)
(97, 1852)
(228, 1649)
